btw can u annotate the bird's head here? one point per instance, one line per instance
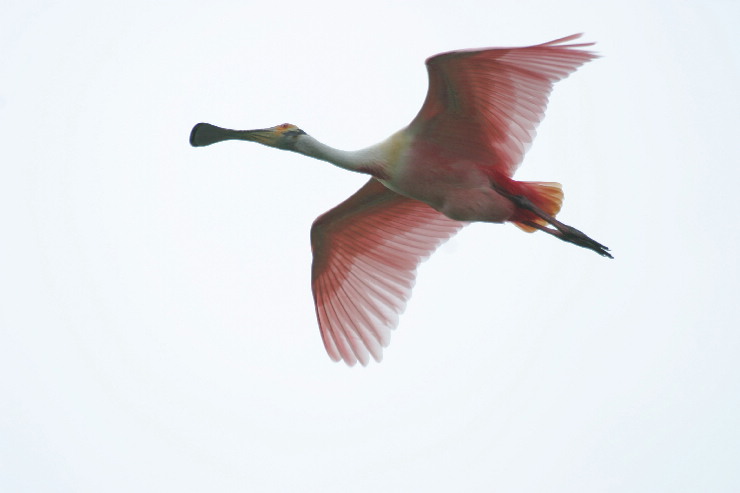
(283, 136)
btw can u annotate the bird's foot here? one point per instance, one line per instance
(572, 235)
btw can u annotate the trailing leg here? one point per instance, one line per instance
(561, 231)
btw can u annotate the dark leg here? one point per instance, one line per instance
(561, 231)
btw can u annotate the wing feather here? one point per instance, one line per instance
(488, 102)
(365, 254)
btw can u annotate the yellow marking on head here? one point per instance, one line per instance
(285, 127)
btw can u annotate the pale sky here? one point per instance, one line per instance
(157, 331)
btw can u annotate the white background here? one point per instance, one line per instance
(157, 330)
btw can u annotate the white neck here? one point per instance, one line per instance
(371, 160)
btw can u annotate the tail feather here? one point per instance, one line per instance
(546, 195)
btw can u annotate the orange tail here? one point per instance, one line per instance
(546, 195)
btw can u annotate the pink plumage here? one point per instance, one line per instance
(493, 99)
(366, 251)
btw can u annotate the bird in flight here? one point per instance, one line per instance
(453, 164)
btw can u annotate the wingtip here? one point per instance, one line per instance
(352, 360)
(560, 42)
(565, 39)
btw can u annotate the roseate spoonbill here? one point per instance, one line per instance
(451, 165)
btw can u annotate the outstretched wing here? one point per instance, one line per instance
(488, 102)
(365, 254)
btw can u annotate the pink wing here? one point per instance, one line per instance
(365, 254)
(486, 103)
